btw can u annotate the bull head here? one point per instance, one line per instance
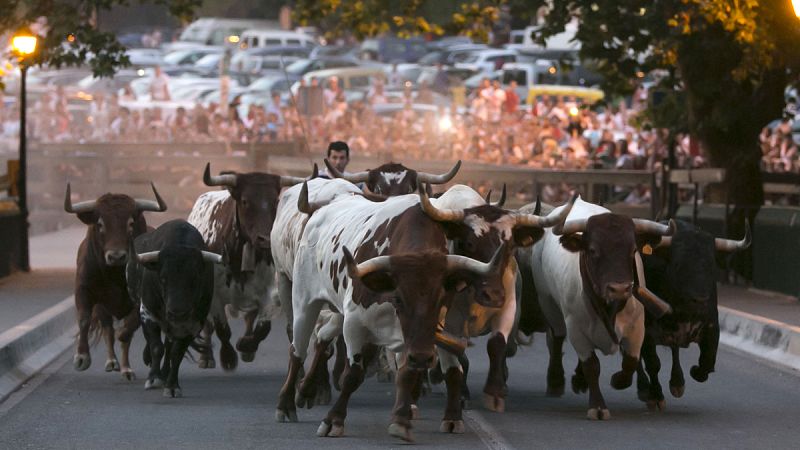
(115, 219)
(381, 180)
(500, 202)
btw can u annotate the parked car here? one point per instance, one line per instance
(301, 67)
(145, 57)
(258, 37)
(487, 60)
(392, 49)
(451, 54)
(216, 31)
(334, 51)
(269, 83)
(187, 57)
(257, 60)
(350, 78)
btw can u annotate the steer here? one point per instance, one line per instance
(681, 270)
(172, 277)
(100, 289)
(392, 179)
(477, 230)
(390, 294)
(237, 222)
(584, 274)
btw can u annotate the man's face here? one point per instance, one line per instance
(338, 159)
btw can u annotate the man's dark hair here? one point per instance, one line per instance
(339, 146)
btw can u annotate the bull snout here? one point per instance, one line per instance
(116, 257)
(619, 291)
(420, 361)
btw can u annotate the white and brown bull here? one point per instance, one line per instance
(585, 274)
(101, 294)
(237, 222)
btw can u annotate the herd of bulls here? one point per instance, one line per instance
(381, 270)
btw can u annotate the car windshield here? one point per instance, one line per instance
(208, 61)
(176, 57)
(194, 34)
(264, 84)
(299, 67)
(470, 58)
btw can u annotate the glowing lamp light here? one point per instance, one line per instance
(573, 111)
(24, 44)
(796, 6)
(233, 39)
(445, 124)
(552, 70)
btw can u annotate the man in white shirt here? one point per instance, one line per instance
(159, 85)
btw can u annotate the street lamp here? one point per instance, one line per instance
(796, 6)
(23, 44)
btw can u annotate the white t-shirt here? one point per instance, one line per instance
(158, 87)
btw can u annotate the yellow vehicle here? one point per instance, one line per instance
(583, 94)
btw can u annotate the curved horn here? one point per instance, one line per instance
(652, 302)
(489, 197)
(439, 179)
(149, 205)
(291, 181)
(502, 200)
(552, 219)
(729, 245)
(439, 215)
(538, 208)
(212, 257)
(147, 257)
(303, 205)
(648, 226)
(218, 180)
(358, 177)
(77, 208)
(458, 262)
(365, 268)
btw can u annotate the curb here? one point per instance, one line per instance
(30, 346)
(765, 338)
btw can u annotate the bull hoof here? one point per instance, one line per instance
(207, 363)
(494, 403)
(643, 395)
(414, 412)
(248, 357)
(303, 401)
(82, 361)
(246, 344)
(228, 358)
(677, 391)
(598, 414)
(579, 385)
(401, 432)
(555, 391)
(330, 430)
(282, 416)
(128, 374)
(656, 405)
(452, 426)
(172, 392)
(621, 381)
(698, 374)
(153, 384)
(112, 365)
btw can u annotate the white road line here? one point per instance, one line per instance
(490, 437)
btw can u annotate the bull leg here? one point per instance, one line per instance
(167, 363)
(125, 335)
(597, 405)
(307, 391)
(177, 350)
(709, 342)
(401, 413)
(466, 397)
(579, 383)
(677, 384)
(624, 378)
(353, 376)
(107, 324)
(285, 296)
(227, 355)
(495, 389)
(83, 359)
(248, 344)
(642, 381)
(654, 395)
(152, 333)
(207, 355)
(555, 368)
(339, 363)
(330, 329)
(453, 421)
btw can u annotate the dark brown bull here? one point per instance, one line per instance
(101, 293)
(237, 224)
(392, 179)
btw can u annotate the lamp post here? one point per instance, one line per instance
(24, 45)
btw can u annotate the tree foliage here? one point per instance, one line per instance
(67, 31)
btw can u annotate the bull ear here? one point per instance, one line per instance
(572, 242)
(379, 281)
(525, 236)
(88, 217)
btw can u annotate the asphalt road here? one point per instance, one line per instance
(745, 404)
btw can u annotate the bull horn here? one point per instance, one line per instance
(147, 257)
(552, 219)
(439, 215)
(149, 205)
(228, 180)
(500, 202)
(648, 226)
(652, 302)
(666, 241)
(303, 205)
(358, 177)
(538, 208)
(291, 181)
(729, 245)
(77, 208)
(458, 262)
(212, 257)
(439, 179)
(365, 268)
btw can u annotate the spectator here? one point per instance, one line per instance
(159, 85)
(511, 104)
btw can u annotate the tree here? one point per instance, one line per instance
(68, 32)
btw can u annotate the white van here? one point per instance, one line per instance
(259, 37)
(216, 31)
